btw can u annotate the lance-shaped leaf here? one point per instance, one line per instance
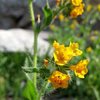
(29, 92)
(30, 70)
(48, 16)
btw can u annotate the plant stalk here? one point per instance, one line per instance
(35, 44)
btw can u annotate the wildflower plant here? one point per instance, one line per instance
(56, 70)
(85, 31)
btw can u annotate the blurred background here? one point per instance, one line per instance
(16, 39)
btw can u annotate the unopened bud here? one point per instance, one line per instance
(46, 62)
(38, 18)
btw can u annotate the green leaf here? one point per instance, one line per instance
(44, 73)
(30, 69)
(26, 68)
(26, 62)
(96, 92)
(29, 91)
(48, 16)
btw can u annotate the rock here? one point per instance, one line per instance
(42, 3)
(19, 40)
(15, 13)
(13, 10)
(6, 22)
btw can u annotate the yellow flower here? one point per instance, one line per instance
(96, 32)
(59, 80)
(98, 7)
(76, 2)
(52, 27)
(89, 49)
(76, 11)
(62, 54)
(61, 17)
(80, 69)
(74, 24)
(89, 7)
(74, 47)
(93, 38)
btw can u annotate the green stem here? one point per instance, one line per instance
(35, 57)
(35, 44)
(35, 39)
(42, 91)
(32, 13)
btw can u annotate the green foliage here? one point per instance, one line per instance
(45, 73)
(48, 16)
(11, 76)
(29, 92)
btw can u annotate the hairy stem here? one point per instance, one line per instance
(35, 43)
